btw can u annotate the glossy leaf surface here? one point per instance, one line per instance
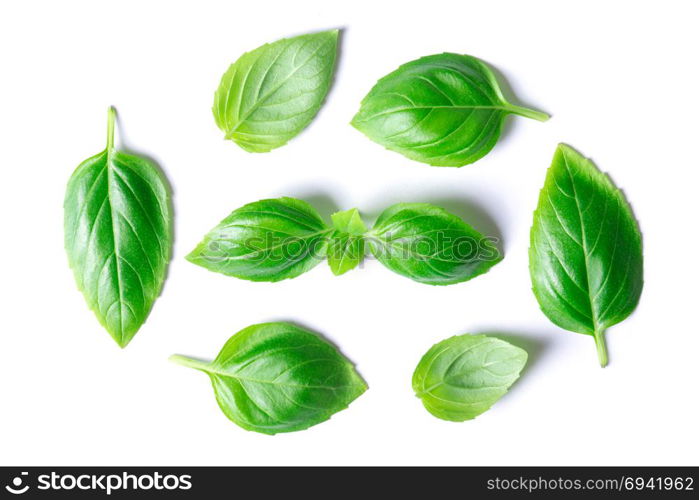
(277, 377)
(430, 245)
(272, 93)
(268, 240)
(118, 236)
(585, 257)
(445, 110)
(463, 376)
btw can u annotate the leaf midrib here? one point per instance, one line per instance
(273, 247)
(115, 237)
(399, 110)
(583, 238)
(213, 371)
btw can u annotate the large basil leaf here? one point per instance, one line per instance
(277, 377)
(463, 376)
(446, 110)
(272, 93)
(268, 240)
(346, 246)
(585, 257)
(428, 244)
(118, 236)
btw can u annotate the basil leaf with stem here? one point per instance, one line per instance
(463, 376)
(430, 245)
(118, 236)
(277, 377)
(445, 110)
(346, 246)
(268, 240)
(272, 93)
(585, 257)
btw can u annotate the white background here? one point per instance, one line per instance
(619, 78)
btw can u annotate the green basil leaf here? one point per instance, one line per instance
(585, 258)
(118, 236)
(446, 110)
(346, 246)
(277, 377)
(349, 221)
(272, 93)
(463, 376)
(428, 244)
(345, 252)
(268, 240)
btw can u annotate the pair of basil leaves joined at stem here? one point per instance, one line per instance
(276, 239)
(277, 377)
(443, 110)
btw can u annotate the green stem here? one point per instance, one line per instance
(601, 348)
(111, 116)
(528, 113)
(197, 364)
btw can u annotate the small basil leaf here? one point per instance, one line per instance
(428, 244)
(463, 376)
(349, 221)
(118, 236)
(277, 377)
(268, 240)
(346, 247)
(585, 258)
(272, 93)
(345, 252)
(446, 110)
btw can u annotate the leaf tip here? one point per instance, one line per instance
(354, 122)
(120, 335)
(122, 342)
(337, 271)
(193, 256)
(562, 146)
